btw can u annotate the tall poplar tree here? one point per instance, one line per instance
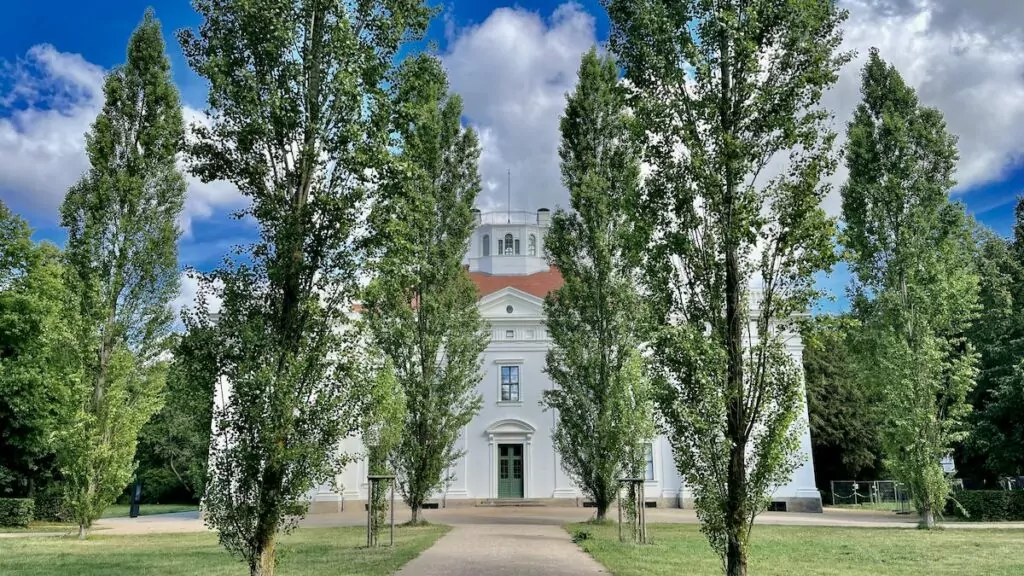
(728, 96)
(298, 121)
(421, 306)
(122, 272)
(596, 318)
(915, 288)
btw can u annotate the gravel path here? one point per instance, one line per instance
(503, 550)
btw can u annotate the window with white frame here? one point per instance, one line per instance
(510, 383)
(507, 248)
(487, 245)
(531, 245)
(649, 462)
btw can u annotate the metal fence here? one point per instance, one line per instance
(881, 494)
(1012, 483)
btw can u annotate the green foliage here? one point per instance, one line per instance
(15, 246)
(36, 359)
(987, 505)
(16, 511)
(49, 504)
(915, 288)
(381, 429)
(175, 445)
(298, 121)
(421, 306)
(844, 414)
(122, 272)
(727, 96)
(579, 534)
(998, 335)
(596, 319)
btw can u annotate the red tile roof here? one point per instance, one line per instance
(537, 284)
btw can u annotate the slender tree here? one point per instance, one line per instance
(122, 271)
(728, 94)
(915, 288)
(421, 307)
(298, 122)
(381, 429)
(36, 363)
(596, 318)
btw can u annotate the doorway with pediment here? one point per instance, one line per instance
(510, 442)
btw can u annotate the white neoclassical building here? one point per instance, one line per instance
(508, 448)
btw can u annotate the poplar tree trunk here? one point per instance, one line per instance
(928, 520)
(265, 563)
(736, 551)
(415, 514)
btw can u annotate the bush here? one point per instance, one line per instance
(988, 505)
(16, 511)
(50, 504)
(580, 534)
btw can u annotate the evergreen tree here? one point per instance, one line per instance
(298, 122)
(843, 412)
(596, 318)
(36, 365)
(421, 307)
(722, 89)
(122, 272)
(915, 288)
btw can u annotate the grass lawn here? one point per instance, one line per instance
(39, 526)
(320, 551)
(121, 510)
(785, 550)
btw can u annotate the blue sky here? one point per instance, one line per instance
(513, 63)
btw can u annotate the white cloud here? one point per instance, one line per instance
(960, 61)
(513, 71)
(52, 99)
(965, 58)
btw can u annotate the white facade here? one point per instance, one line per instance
(518, 344)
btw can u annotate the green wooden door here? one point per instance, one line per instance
(510, 470)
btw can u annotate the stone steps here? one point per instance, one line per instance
(511, 502)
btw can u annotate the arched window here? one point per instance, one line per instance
(487, 245)
(531, 245)
(508, 245)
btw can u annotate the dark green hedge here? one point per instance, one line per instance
(50, 504)
(16, 511)
(988, 505)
